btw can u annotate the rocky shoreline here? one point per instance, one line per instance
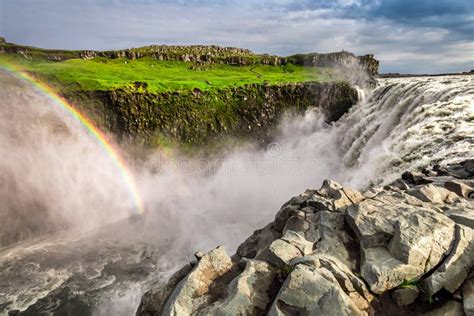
(403, 248)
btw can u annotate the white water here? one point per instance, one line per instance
(404, 124)
(401, 125)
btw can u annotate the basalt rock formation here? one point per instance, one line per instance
(200, 116)
(405, 248)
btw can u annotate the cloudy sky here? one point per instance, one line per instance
(414, 36)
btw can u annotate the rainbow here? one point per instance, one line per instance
(101, 138)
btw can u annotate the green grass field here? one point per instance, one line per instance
(160, 76)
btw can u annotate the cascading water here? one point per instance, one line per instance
(402, 124)
(407, 124)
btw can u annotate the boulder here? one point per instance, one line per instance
(329, 233)
(459, 188)
(403, 243)
(297, 223)
(383, 272)
(248, 293)
(191, 294)
(461, 213)
(260, 240)
(283, 250)
(352, 285)
(313, 291)
(455, 267)
(433, 194)
(406, 295)
(153, 301)
(333, 197)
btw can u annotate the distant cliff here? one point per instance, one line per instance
(204, 54)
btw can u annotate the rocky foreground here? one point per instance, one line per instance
(403, 248)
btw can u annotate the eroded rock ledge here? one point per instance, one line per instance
(198, 117)
(404, 248)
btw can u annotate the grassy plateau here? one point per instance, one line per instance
(102, 73)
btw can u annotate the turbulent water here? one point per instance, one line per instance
(192, 205)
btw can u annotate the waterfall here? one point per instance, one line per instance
(51, 169)
(407, 124)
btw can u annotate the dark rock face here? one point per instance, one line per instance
(340, 59)
(200, 116)
(404, 248)
(193, 53)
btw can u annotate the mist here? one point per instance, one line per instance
(53, 174)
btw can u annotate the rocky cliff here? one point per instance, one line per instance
(342, 59)
(200, 116)
(203, 54)
(405, 248)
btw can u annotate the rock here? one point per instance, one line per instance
(384, 272)
(403, 244)
(415, 178)
(153, 301)
(451, 308)
(199, 254)
(400, 184)
(468, 296)
(297, 223)
(433, 194)
(348, 281)
(405, 296)
(297, 240)
(455, 268)
(459, 188)
(468, 165)
(328, 233)
(260, 240)
(313, 291)
(463, 215)
(284, 249)
(192, 292)
(333, 197)
(284, 214)
(247, 294)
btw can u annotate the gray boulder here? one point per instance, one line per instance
(313, 291)
(248, 293)
(455, 267)
(192, 293)
(405, 296)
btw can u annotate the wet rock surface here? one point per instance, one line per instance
(404, 248)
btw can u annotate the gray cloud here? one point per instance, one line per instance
(407, 36)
